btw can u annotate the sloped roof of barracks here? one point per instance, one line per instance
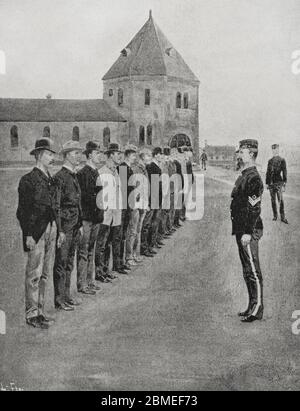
(52, 110)
(150, 53)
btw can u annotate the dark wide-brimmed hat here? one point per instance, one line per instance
(274, 146)
(92, 146)
(43, 144)
(113, 148)
(249, 143)
(167, 151)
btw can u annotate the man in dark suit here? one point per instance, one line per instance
(70, 213)
(39, 220)
(130, 214)
(91, 219)
(276, 181)
(247, 227)
(204, 160)
(154, 173)
(177, 196)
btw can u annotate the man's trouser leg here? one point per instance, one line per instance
(124, 228)
(63, 267)
(146, 230)
(273, 193)
(74, 238)
(249, 256)
(116, 243)
(38, 269)
(155, 227)
(134, 216)
(281, 202)
(138, 237)
(101, 248)
(82, 255)
(91, 255)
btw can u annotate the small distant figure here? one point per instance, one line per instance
(204, 160)
(276, 181)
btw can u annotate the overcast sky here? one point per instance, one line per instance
(240, 50)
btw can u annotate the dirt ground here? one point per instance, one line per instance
(172, 324)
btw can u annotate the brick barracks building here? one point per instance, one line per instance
(150, 98)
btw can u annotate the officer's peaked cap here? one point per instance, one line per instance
(249, 143)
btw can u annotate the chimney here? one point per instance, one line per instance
(150, 14)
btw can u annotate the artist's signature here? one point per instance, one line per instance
(10, 387)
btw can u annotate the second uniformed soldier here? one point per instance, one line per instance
(276, 181)
(248, 227)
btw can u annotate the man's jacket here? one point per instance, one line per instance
(68, 204)
(277, 171)
(87, 178)
(156, 192)
(36, 207)
(246, 203)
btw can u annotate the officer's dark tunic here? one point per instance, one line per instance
(275, 179)
(246, 219)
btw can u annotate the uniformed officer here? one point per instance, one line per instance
(204, 160)
(248, 227)
(276, 181)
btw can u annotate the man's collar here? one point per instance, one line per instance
(156, 162)
(69, 168)
(111, 166)
(91, 165)
(245, 170)
(42, 171)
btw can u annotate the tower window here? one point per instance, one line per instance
(46, 132)
(186, 100)
(75, 135)
(120, 97)
(149, 135)
(106, 137)
(178, 100)
(142, 136)
(110, 92)
(147, 97)
(14, 137)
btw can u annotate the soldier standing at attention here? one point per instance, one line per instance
(248, 227)
(70, 212)
(204, 159)
(38, 220)
(276, 181)
(91, 216)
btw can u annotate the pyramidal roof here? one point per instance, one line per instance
(150, 53)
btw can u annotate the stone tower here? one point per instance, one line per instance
(155, 90)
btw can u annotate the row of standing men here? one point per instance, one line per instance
(60, 218)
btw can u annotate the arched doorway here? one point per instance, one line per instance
(180, 140)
